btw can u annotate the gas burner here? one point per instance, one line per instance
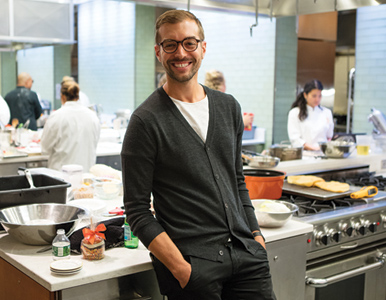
(309, 206)
(364, 179)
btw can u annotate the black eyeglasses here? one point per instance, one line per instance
(189, 44)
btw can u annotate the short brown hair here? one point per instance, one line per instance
(70, 89)
(176, 16)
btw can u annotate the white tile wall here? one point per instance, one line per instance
(370, 77)
(106, 34)
(247, 62)
(39, 63)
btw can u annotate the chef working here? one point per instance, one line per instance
(71, 134)
(309, 123)
(183, 146)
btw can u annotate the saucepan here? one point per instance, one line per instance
(256, 160)
(264, 184)
(285, 151)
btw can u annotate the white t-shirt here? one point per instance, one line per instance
(197, 115)
(317, 127)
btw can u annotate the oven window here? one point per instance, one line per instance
(348, 289)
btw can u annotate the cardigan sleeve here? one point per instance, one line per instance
(243, 191)
(138, 161)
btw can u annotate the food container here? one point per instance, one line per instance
(94, 251)
(337, 149)
(15, 190)
(273, 213)
(36, 224)
(264, 184)
(106, 188)
(285, 151)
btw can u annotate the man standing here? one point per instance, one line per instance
(183, 145)
(24, 103)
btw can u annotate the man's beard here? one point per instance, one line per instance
(182, 78)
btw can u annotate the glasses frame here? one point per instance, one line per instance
(180, 42)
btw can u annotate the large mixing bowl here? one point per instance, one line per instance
(36, 224)
(337, 149)
(271, 213)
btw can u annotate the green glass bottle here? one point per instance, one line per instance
(131, 241)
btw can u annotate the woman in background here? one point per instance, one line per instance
(309, 123)
(71, 133)
(215, 80)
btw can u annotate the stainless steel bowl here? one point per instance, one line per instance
(36, 224)
(337, 149)
(273, 218)
(264, 161)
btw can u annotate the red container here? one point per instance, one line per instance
(264, 184)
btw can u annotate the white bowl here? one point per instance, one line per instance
(273, 213)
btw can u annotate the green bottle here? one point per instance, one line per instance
(131, 241)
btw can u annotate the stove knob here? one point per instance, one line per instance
(322, 238)
(349, 231)
(346, 229)
(373, 227)
(336, 236)
(362, 229)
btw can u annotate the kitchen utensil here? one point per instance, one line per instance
(36, 224)
(365, 192)
(337, 149)
(29, 178)
(264, 184)
(271, 214)
(314, 192)
(284, 151)
(261, 161)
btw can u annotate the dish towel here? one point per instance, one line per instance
(114, 235)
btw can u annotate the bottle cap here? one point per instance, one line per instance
(60, 231)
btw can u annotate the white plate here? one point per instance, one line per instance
(66, 273)
(94, 206)
(66, 265)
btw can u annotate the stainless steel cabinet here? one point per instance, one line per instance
(287, 259)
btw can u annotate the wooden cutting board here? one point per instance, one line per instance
(316, 193)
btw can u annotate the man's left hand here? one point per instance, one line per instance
(260, 240)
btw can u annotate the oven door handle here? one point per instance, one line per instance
(323, 282)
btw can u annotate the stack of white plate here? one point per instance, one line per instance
(66, 266)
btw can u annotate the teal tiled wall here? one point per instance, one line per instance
(8, 72)
(285, 75)
(144, 52)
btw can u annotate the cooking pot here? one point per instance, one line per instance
(285, 151)
(264, 184)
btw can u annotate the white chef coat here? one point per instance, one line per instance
(83, 99)
(70, 136)
(317, 127)
(5, 114)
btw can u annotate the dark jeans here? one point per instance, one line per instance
(241, 276)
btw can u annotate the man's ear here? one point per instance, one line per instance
(157, 50)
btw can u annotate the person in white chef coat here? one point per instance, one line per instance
(5, 114)
(71, 133)
(309, 123)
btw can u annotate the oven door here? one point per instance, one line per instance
(357, 274)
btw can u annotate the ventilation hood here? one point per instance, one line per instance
(31, 23)
(273, 8)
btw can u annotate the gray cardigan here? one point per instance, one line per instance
(200, 197)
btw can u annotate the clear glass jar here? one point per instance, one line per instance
(94, 251)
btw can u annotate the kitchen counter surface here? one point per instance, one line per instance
(117, 262)
(376, 161)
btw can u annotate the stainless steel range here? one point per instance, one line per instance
(347, 250)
